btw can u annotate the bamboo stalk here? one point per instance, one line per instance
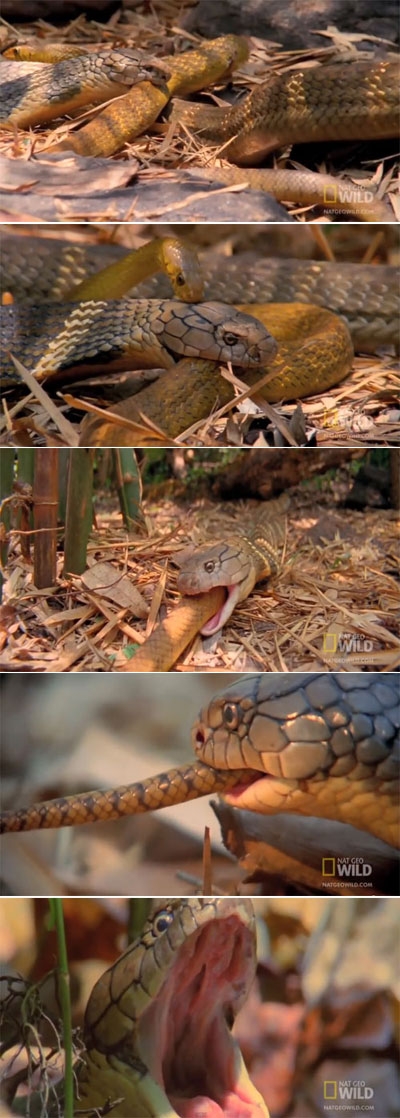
(45, 506)
(79, 513)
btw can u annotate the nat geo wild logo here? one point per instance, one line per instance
(348, 1095)
(351, 871)
(345, 645)
(343, 194)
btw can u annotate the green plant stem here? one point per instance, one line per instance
(57, 915)
(129, 485)
(7, 458)
(138, 911)
(79, 514)
(45, 504)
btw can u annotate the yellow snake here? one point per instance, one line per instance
(357, 100)
(314, 353)
(157, 1027)
(318, 744)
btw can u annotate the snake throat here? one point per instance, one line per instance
(197, 1056)
(171, 1001)
(217, 621)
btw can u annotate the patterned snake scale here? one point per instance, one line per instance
(36, 270)
(315, 744)
(334, 102)
(128, 334)
(157, 1024)
(35, 93)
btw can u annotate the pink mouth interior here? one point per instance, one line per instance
(185, 1035)
(216, 622)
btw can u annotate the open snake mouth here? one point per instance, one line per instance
(260, 792)
(219, 619)
(184, 1037)
(259, 789)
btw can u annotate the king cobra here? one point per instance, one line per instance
(343, 101)
(236, 563)
(318, 744)
(157, 1024)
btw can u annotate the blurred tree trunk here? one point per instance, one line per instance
(262, 473)
(395, 478)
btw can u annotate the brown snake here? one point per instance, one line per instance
(213, 579)
(313, 744)
(237, 562)
(333, 102)
(157, 1023)
(127, 334)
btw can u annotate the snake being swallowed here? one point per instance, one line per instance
(235, 563)
(315, 744)
(157, 1024)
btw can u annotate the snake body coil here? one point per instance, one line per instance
(35, 93)
(366, 296)
(336, 102)
(344, 101)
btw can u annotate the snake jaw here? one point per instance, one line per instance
(184, 1037)
(264, 791)
(219, 619)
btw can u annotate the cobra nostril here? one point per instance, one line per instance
(200, 737)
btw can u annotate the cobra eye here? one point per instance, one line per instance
(209, 566)
(230, 716)
(162, 921)
(230, 339)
